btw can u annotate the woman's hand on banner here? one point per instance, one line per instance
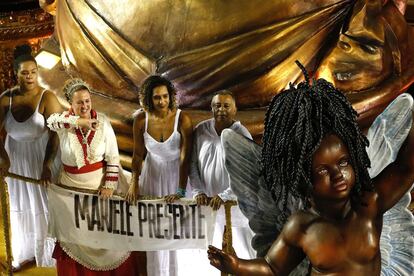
(132, 194)
(216, 202)
(201, 199)
(171, 198)
(106, 193)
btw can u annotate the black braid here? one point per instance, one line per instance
(295, 124)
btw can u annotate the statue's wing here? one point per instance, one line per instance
(388, 132)
(266, 217)
(386, 135)
(397, 240)
(242, 157)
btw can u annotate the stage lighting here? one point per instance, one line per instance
(46, 59)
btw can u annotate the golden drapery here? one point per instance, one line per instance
(249, 47)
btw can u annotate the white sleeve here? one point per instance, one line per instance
(195, 179)
(60, 121)
(227, 194)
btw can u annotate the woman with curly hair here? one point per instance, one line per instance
(163, 140)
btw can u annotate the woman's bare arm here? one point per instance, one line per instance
(138, 156)
(186, 144)
(51, 106)
(186, 130)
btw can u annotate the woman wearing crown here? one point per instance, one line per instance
(90, 158)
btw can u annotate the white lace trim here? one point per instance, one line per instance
(57, 121)
(91, 149)
(109, 184)
(77, 148)
(112, 168)
(96, 141)
(88, 265)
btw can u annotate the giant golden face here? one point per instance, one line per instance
(357, 63)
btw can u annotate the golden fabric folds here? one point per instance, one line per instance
(248, 47)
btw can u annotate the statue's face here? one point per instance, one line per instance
(333, 176)
(356, 63)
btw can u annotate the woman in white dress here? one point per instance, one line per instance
(29, 150)
(163, 137)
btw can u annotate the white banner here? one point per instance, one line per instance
(87, 220)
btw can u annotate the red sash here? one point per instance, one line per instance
(85, 169)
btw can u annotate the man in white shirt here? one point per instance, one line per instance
(208, 174)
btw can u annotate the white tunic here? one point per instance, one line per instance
(26, 146)
(160, 177)
(208, 175)
(102, 147)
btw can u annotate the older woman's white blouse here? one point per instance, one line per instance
(103, 147)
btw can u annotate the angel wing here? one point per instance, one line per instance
(266, 217)
(386, 136)
(242, 157)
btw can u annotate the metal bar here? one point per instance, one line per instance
(4, 198)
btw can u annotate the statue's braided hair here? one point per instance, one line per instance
(295, 123)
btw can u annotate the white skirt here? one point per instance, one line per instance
(28, 203)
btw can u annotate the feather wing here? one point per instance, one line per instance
(386, 136)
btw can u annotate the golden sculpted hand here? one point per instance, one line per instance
(201, 199)
(106, 193)
(132, 194)
(223, 261)
(46, 176)
(216, 202)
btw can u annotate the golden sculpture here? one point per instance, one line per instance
(248, 47)
(372, 60)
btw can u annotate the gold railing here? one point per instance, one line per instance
(227, 235)
(4, 197)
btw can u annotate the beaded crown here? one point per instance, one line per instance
(73, 85)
